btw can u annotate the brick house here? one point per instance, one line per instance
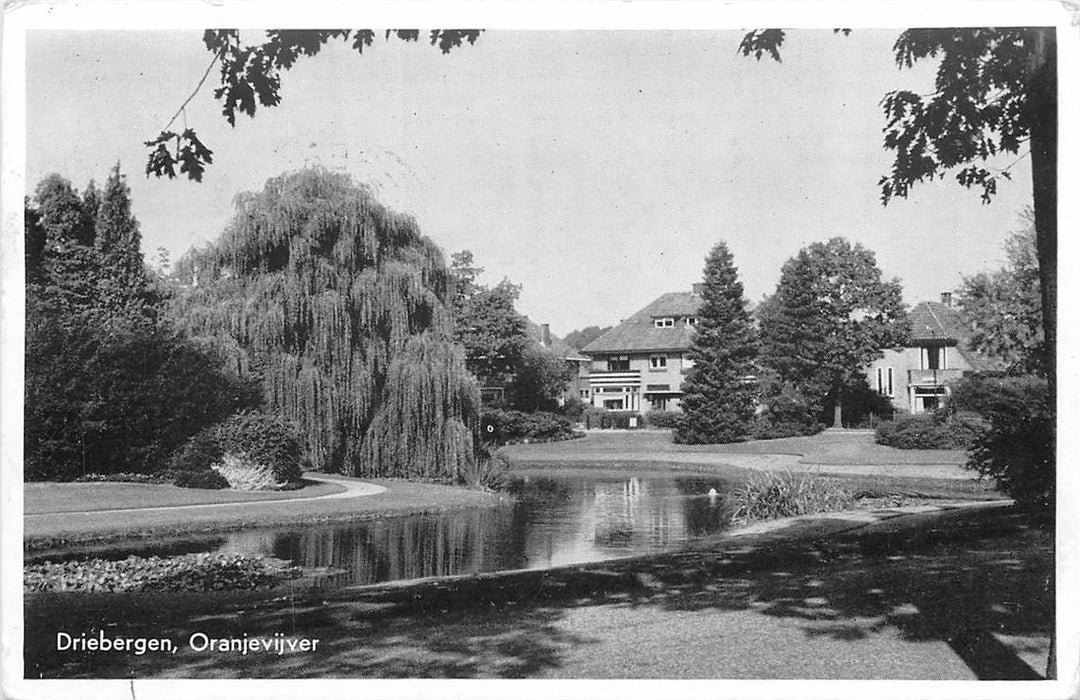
(915, 378)
(639, 365)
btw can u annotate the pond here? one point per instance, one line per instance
(557, 518)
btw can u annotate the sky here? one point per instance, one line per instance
(594, 168)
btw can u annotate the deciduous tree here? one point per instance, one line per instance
(582, 337)
(1004, 307)
(487, 324)
(831, 315)
(107, 386)
(250, 75)
(995, 91)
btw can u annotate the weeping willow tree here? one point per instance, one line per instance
(338, 305)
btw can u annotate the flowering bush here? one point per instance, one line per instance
(256, 438)
(244, 474)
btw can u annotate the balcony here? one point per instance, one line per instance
(631, 377)
(932, 377)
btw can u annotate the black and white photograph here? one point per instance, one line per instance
(697, 348)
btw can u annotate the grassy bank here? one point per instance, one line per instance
(51, 529)
(52, 497)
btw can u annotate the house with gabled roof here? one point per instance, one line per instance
(639, 365)
(916, 377)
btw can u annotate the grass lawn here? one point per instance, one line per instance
(49, 528)
(851, 459)
(51, 497)
(829, 447)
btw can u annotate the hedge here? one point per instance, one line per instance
(932, 431)
(506, 426)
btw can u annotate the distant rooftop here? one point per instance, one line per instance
(557, 345)
(935, 323)
(639, 334)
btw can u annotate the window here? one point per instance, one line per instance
(934, 357)
(584, 393)
(885, 381)
(691, 320)
(658, 361)
(665, 322)
(618, 364)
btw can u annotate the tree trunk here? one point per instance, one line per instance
(837, 408)
(1042, 107)
(1041, 45)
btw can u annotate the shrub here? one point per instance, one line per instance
(574, 408)
(190, 572)
(604, 418)
(1019, 456)
(199, 453)
(258, 438)
(243, 474)
(767, 495)
(932, 431)
(205, 479)
(516, 426)
(662, 419)
(998, 399)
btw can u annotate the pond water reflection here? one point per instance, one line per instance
(558, 518)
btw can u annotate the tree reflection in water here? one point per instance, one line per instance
(558, 518)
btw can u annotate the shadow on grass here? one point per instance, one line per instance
(962, 581)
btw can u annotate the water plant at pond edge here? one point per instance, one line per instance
(190, 572)
(488, 473)
(767, 495)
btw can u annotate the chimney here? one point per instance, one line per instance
(946, 298)
(699, 287)
(545, 335)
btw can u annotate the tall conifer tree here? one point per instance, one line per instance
(718, 398)
(123, 284)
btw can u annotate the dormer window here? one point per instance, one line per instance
(664, 322)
